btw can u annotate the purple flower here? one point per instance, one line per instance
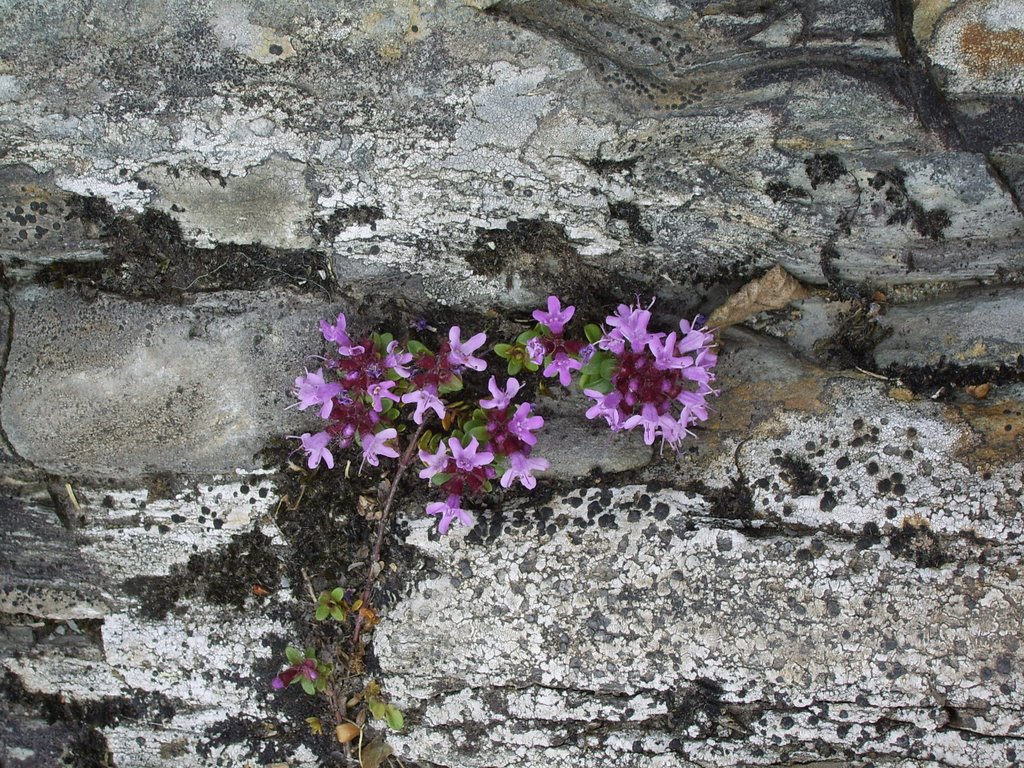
(535, 350)
(628, 324)
(500, 399)
(449, 510)
(606, 406)
(337, 334)
(425, 399)
(375, 445)
(649, 418)
(316, 446)
(381, 389)
(436, 462)
(556, 317)
(461, 353)
(522, 424)
(304, 669)
(312, 390)
(397, 360)
(563, 366)
(664, 351)
(467, 458)
(522, 467)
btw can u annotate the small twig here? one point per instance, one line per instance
(403, 464)
(872, 374)
(309, 586)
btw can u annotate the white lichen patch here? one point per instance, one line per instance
(695, 622)
(132, 536)
(873, 460)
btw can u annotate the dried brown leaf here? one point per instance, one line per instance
(374, 754)
(773, 290)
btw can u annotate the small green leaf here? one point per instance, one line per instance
(307, 685)
(417, 348)
(294, 655)
(502, 350)
(480, 433)
(592, 332)
(337, 594)
(607, 368)
(338, 613)
(322, 612)
(525, 336)
(454, 384)
(440, 478)
(514, 367)
(377, 708)
(394, 718)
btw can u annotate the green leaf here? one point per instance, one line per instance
(514, 367)
(338, 613)
(417, 348)
(440, 478)
(337, 594)
(294, 655)
(322, 612)
(592, 332)
(525, 336)
(480, 433)
(454, 384)
(394, 717)
(377, 708)
(502, 350)
(608, 368)
(531, 366)
(307, 685)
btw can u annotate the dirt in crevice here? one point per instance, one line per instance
(146, 257)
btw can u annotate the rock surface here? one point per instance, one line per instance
(828, 573)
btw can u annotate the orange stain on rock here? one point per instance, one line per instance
(990, 49)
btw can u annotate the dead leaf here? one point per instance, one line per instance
(902, 394)
(346, 732)
(368, 507)
(979, 391)
(773, 290)
(374, 753)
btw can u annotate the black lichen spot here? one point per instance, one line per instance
(630, 213)
(276, 49)
(780, 190)
(804, 479)
(698, 705)
(842, 462)
(824, 169)
(904, 209)
(661, 511)
(828, 502)
(870, 536)
(916, 542)
(343, 218)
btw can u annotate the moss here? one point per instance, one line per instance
(630, 213)
(146, 257)
(824, 169)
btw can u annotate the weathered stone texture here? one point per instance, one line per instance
(828, 573)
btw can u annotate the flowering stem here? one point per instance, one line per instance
(403, 463)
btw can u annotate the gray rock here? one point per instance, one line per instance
(971, 328)
(115, 387)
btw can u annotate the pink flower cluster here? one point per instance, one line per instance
(659, 382)
(362, 389)
(459, 467)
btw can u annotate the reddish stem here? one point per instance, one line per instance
(403, 464)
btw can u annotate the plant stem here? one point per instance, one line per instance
(403, 464)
